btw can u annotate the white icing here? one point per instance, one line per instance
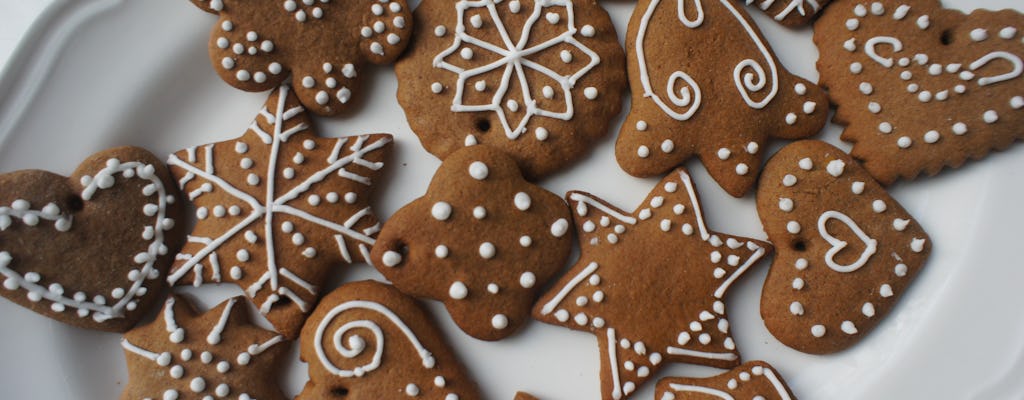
(870, 245)
(513, 54)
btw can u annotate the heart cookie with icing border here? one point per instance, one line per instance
(846, 249)
(920, 87)
(90, 250)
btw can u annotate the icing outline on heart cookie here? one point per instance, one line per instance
(870, 245)
(54, 292)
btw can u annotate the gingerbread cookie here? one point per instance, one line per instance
(920, 87)
(482, 240)
(650, 284)
(540, 80)
(367, 340)
(90, 250)
(187, 355)
(752, 380)
(683, 106)
(320, 44)
(791, 13)
(846, 250)
(278, 209)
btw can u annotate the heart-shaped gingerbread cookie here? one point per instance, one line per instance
(921, 87)
(846, 250)
(91, 249)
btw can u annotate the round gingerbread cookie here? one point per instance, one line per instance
(540, 80)
(319, 45)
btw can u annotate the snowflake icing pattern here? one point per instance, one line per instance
(514, 58)
(278, 203)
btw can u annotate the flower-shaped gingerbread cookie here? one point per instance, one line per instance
(217, 354)
(846, 250)
(482, 240)
(920, 87)
(715, 91)
(90, 250)
(368, 341)
(278, 208)
(540, 80)
(321, 44)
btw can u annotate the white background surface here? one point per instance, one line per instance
(103, 73)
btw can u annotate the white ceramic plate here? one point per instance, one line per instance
(95, 74)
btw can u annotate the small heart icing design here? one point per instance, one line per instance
(846, 249)
(92, 254)
(870, 245)
(920, 87)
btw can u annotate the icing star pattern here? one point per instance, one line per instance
(257, 45)
(277, 208)
(631, 266)
(217, 354)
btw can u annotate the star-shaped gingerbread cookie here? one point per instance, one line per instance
(650, 285)
(187, 355)
(277, 209)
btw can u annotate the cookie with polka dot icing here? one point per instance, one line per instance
(92, 249)
(846, 250)
(715, 91)
(367, 340)
(482, 240)
(319, 46)
(752, 380)
(538, 79)
(184, 354)
(919, 87)
(650, 284)
(278, 209)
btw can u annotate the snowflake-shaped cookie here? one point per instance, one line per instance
(278, 207)
(256, 45)
(538, 79)
(217, 354)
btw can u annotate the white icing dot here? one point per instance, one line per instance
(789, 180)
(527, 280)
(835, 167)
(197, 385)
(798, 283)
(885, 290)
(818, 330)
(796, 308)
(868, 310)
(441, 211)
(724, 153)
(466, 53)
(559, 228)
(499, 321)
(242, 75)
(800, 89)
(478, 170)
(479, 212)
(786, 204)
(1017, 102)
(904, 142)
(641, 125)
(931, 137)
(643, 151)
(350, 197)
(391, 258)
(848, 328)
(793, 227)
(790, 119)
(805, 164)
(525, 241)
(227, 26)
(440, 30)
(852, 24)
(866, 88)
(590, 93)
(900, 269)
(458, 290)
(979, 34)
(667, 146)
(990, 116)
(742, 169)
(487, 250)
(441, 251)
(587, 31)
(412, 389)
(856, 68)
(1008, 32)
(922, 22)
(885, 127)
(522, 201)
(541, 133)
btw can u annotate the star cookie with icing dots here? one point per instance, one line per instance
(650, 285)
(716, 91)
(278, 209)
(320, 46)
(752, 380)
(216, 354)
